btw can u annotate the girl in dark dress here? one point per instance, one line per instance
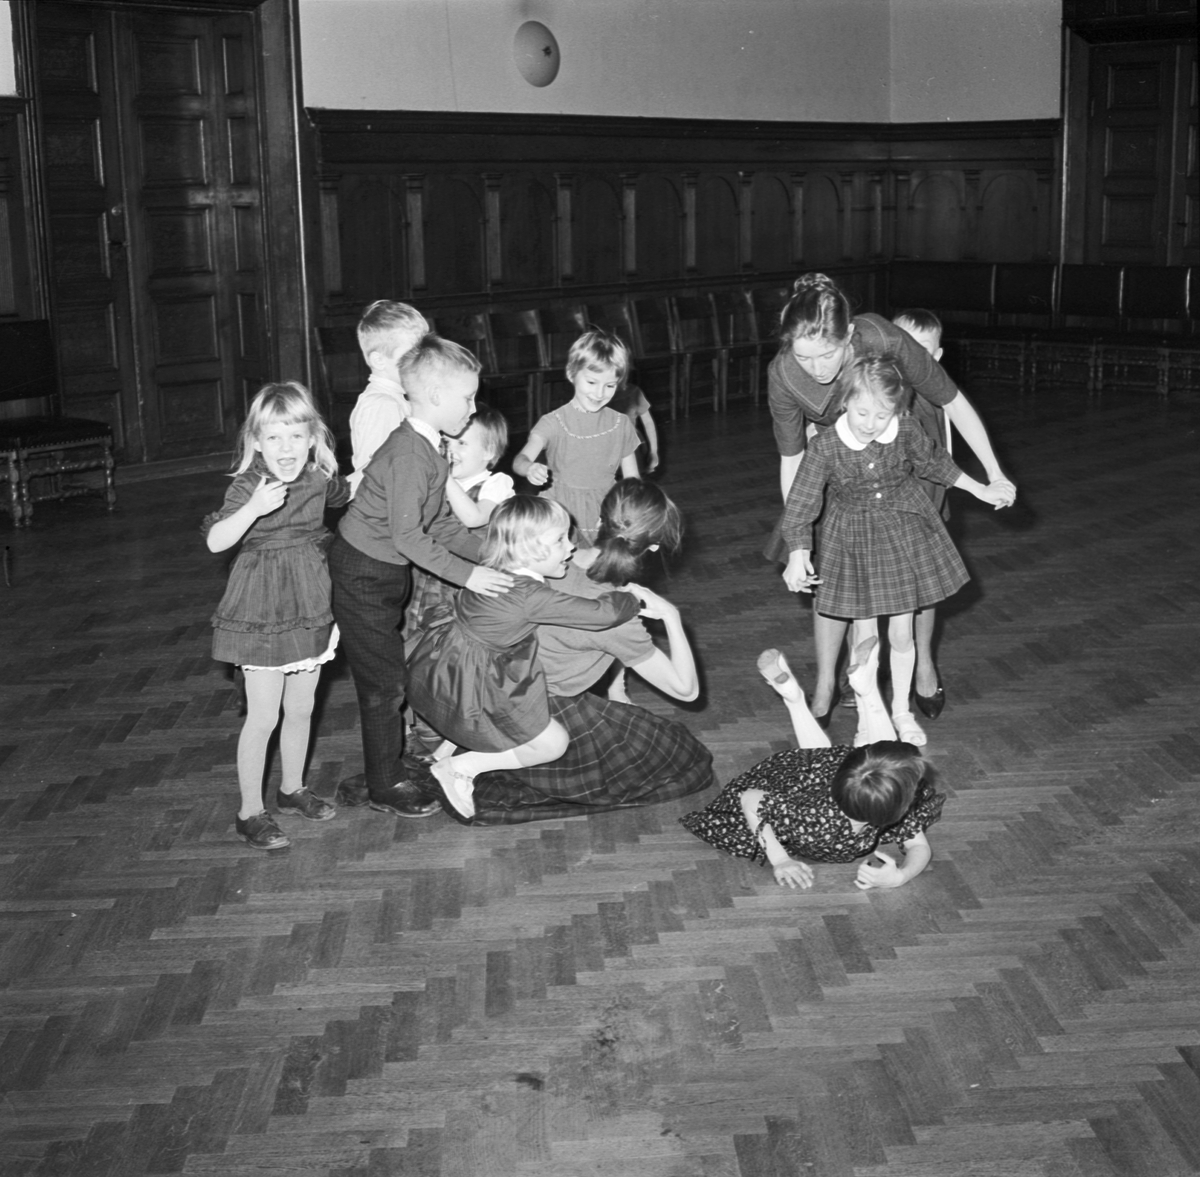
(474, 674)
(829, 804)
(883, 548)
(274, 620)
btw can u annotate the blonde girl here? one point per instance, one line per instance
(474, 674)
(274, 621)
(883, 549)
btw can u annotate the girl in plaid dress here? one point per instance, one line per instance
(883, 549)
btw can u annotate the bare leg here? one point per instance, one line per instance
(774, 668)
(456, 774)
(828, 633)
(904, 657)
(873, 721)
(923, 625)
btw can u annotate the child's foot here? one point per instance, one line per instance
(863, 671)
(772, 665)
(907, 728)
(458, 787)
(261, 832)
(306, 804)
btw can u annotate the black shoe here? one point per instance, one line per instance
(262, 833)
(834, 699)
(849, 699)
(404, 798)
(931, 706)
(306, 804)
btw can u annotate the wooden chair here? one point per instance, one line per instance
(1089, 306)
(655, 347)
(561, 326)
(698, 340)
(344, 374)
(1154, 344)
(768, 303)
(39, 447)
(741, 347)
(519, 353)
(1022, 303)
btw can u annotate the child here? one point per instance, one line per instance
(829, 804)
(473, 455)
(884, 551)
(274, 620)
(386, 331)
(476, 678)
(473, 493)
(926, 328)
(586, 442)
(398, 518)
(631, 401)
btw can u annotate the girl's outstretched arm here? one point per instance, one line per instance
(917, 853)
(629, 467)
(967, 421)
(526, 465)
(673, 673)
(789, 872)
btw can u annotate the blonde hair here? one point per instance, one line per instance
(385, 325)
(877, 377)
(515, 530)
(286, 403)
(596, 349)
(432, 356)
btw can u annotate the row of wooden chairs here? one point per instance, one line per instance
(689, 348)
(1093, 325)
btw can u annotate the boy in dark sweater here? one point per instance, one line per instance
(400, 517)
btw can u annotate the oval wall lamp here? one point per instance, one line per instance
(535, 52)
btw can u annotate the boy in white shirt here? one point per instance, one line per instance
(386, 332)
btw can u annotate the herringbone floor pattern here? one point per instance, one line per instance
(606, 995)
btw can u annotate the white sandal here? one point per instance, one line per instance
(907, 729)
(457, 787)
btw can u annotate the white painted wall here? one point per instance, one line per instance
(8, 76)
(974, 59)
(736, 59)
(821, 60)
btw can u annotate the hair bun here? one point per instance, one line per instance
(812, 281)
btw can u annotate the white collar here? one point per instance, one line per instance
(885, 438)
(527, 572)
(474, 480)
(428, 432)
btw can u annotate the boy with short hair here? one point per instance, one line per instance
(387, 331)
(926, 328)
(398, 518)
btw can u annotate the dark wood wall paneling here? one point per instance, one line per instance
(18, 297)
(444, 209)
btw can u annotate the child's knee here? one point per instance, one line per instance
(554, 740)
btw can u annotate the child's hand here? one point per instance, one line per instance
(888, 874)
(267, 497)
(538, 473)
(652, 462)
(790, 873)
(653, 606)
(799, 575)
(488, 581)
(1000, 493)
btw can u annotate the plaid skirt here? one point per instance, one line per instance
(620, 756)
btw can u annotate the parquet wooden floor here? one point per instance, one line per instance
(607, 995)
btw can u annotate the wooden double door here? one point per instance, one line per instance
(151, 147)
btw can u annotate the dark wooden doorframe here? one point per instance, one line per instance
(285, 325)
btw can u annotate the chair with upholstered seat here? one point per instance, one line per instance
(39, 447)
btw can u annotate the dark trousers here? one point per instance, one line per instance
(368, 605)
